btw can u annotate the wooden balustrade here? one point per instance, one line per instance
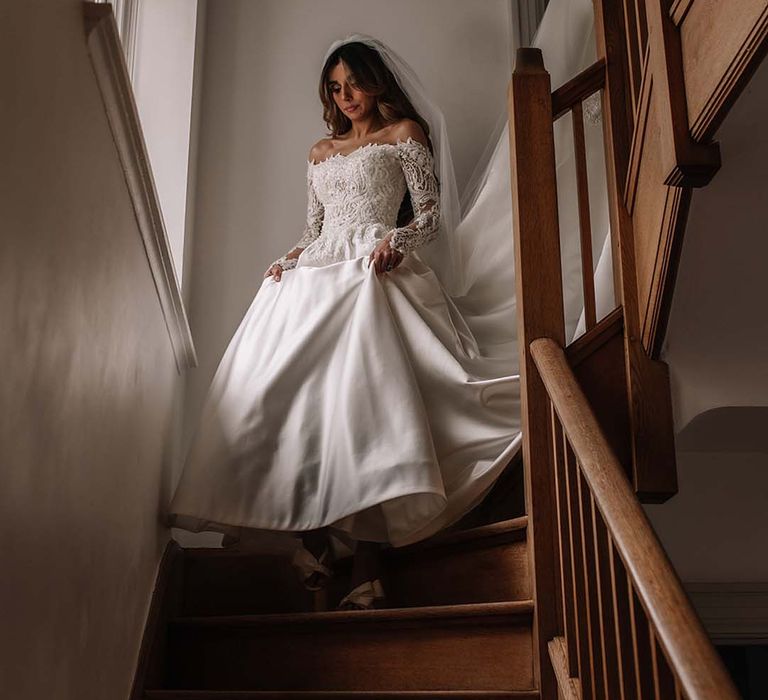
(627, 629)
(611, 619)
(570, 98)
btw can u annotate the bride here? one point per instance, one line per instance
(353, 399)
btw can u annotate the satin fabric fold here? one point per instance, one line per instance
(350, 400)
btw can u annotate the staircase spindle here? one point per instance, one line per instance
(566, 554)
(593, 624)
(663, 679)
(577, 567)
(607, 626)
(623, 625)
(585, 226)
(641, 639)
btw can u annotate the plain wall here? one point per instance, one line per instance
(716, 528)
(163, 81)
(717, 340)
(260, 114)
(88, 377)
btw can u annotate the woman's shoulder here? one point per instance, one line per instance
(408, 129)
(321, 150)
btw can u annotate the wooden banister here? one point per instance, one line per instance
(674, 630)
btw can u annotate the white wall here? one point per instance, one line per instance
(261, 113)
(88, 377)
(163, 80)
(717, 341)
(716, 528)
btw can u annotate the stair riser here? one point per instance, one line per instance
(486, 654)
(487, 571)
(482, 573)
(232, 584)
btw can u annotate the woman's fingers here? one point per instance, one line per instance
(384, 258)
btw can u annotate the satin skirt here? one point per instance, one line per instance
(350, 400)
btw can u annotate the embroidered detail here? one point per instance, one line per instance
(418, 167)
(353, 200)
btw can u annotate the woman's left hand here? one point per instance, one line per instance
(385, 258)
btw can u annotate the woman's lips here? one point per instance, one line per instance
(351, 109)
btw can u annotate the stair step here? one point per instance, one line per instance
(225, 582)
(483, 564)
(342, 694)
(484, 646)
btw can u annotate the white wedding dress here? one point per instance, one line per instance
(349, 399)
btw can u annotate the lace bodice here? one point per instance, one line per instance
(353, 200)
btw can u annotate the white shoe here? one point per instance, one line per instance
(308, 564)
(366, 596)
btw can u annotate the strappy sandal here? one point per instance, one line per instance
(314, 574)
(366, 596)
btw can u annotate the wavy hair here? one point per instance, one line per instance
(373, 78)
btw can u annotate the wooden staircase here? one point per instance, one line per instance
(233, 624)
(576, 599)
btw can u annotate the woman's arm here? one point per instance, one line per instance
(312, 228)
(418, 168)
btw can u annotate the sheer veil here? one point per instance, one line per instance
(474, 254)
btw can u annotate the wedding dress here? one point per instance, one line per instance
(386, 406)
(350, 399)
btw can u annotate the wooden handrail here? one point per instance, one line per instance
(675, 626)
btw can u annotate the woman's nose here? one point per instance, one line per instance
(346, 92)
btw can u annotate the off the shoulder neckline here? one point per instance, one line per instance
(410, 140)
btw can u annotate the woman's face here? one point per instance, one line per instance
(349, 98)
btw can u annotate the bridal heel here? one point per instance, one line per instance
(366, 596)
(314, 574)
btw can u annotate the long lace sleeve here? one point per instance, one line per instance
(418, 168)
(315, 213)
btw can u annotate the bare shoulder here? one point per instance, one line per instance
(409, 128)
(321, 150)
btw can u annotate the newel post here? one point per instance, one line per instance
(539, 291)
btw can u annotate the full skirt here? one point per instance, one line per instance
(350, 400)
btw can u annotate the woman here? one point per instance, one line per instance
(353, 398)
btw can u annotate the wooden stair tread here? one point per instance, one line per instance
(349, 694)
(522, 608)
(498, 530)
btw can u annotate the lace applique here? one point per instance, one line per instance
(353, 201)
(418, 168)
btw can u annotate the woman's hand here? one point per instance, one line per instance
(274, 271)
(287, 262)
(385, 258)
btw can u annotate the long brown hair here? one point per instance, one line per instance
(373, 78)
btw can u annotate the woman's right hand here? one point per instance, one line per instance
(274, 271)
